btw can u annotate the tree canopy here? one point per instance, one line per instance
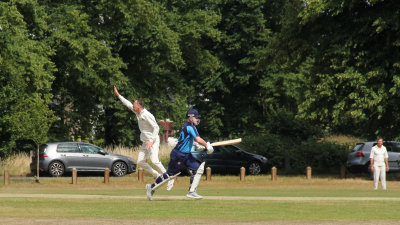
(289, 68)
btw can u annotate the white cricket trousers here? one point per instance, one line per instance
(380, 171)
(153, 154)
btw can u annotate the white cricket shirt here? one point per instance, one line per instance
(379, 155)
(147, 123)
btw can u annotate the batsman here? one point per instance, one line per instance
(181, 156)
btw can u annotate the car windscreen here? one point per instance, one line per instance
(358, 147)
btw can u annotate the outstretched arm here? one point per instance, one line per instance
(123, 100)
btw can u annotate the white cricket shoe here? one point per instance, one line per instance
(149, 192)
(194, 195)
(170, 184)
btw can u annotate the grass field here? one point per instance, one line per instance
(124, 201)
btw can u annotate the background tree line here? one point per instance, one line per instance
(254, 68)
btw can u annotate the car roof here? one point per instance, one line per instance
(373, 142)
(67, 142)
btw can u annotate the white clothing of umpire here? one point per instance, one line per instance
(148, 135)
(379, 163)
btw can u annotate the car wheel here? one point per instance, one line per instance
(56, 169)
(119, 169)
(254, 168)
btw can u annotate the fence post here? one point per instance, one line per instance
(140, 175)
(107, 176)
(273, 173)
(242, 174)
(342, 172)
(308, 173)
(6, 177)
(208, 174)
(74, 176)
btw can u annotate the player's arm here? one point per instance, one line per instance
(371, 159)
(386, 161)
(123, 100)
(201, 141)
(207, 145)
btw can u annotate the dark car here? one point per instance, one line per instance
(358, 158)
(229, 159)
(60, 157)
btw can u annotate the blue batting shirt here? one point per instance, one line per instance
(186, 138)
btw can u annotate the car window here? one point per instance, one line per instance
(43, 148)
(358, 147)
(389, 146)
(89, 149)
(227, 149)
(68, 147)
(396, 147)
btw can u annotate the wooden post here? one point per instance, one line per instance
(342, 172)
(242, 174)
(6, 177)
(273, 173)
(107, 176)
(140, 175)
(208, 174)
(308, 172)
(74, 176)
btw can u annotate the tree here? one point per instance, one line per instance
(32, 120)
(86, 71)
(343, 55)
(25, 75)
(229, 95)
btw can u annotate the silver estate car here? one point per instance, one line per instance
(358, 158)
(60, 157)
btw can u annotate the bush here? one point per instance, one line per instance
(323, 157)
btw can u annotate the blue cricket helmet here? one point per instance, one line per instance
(192, 112)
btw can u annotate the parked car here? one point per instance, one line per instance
(358, 158)
(229, 159)
(60, 157)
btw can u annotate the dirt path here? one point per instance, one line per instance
(249, 198)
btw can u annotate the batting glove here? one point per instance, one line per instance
(210, 148)
(198, 146)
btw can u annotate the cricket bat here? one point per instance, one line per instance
(228, 142)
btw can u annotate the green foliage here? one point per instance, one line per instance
(323, 157)
(343, 55)
(25, 75)
(86, 70)
(290, 69)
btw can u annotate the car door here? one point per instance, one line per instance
(92, 159)
(393, 149)
(70, 155)
(224, 159)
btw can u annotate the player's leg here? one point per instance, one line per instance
(174, 168)
(153, 153)
(376, 176)
(196, 171)
(383, 177)
(142, 161)
(157, 164)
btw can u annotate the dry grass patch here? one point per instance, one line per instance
(17, 164)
